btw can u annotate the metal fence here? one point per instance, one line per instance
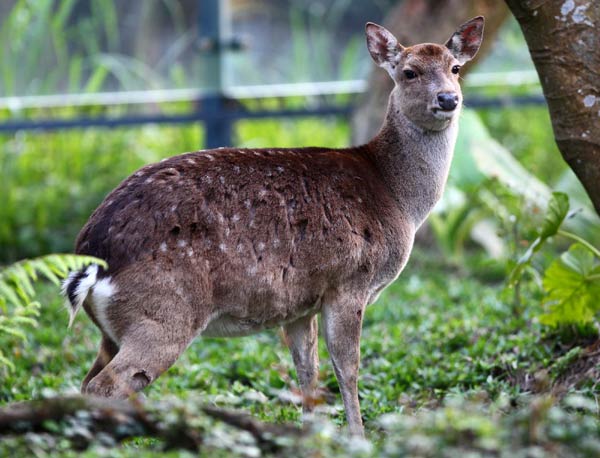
(218, 107)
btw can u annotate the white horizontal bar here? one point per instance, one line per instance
(516, 78)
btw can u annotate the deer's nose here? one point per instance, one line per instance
(448, 100)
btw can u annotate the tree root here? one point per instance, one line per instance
(86, 417)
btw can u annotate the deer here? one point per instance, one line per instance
(229, 242)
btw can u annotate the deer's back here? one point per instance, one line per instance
(287, 223)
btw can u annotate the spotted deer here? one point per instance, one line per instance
(229, 242)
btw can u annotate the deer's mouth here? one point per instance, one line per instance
(440, 113)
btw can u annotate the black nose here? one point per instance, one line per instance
(448, 100)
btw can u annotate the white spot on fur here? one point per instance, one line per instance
(280, 169)
(276, 243)
(163, 247)
(173, 208)
(222, 247)
(256, 153)
(262, 193)
(209, 157)
(181, 243)
(102, 294)
(222, 180)
(190, 161)
(251, 270)
(589, 100)
(227, 231)
(148, 180)
(190, 252)
(235, 218)
(261, 246)
(247, 203)
(236, 168)
(240, 248)
(207, 179)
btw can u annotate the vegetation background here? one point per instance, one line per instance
(458, 354)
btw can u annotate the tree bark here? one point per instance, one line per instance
(417, 21)
(564, 42)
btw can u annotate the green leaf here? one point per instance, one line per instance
(6, 362)
(17, 293)
(558, 207)
(14, 332)
(572, 283)
(9, 294)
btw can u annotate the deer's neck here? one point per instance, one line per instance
(414, 162)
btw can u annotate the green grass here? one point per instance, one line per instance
(438, 334)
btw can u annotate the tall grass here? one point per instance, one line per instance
(42, 52)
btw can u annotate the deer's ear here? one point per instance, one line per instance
(465, 42)
(383, 46)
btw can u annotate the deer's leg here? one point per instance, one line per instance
(145, 353)
(302, 336)
(108, 350)
(342, 322)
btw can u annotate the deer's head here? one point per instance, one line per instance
(426, 75)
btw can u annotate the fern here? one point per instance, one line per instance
(18, 307)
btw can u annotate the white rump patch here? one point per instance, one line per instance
(81, 292)
(102, 294)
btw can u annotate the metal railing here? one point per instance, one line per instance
(219, 107)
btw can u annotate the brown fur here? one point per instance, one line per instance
(232, 241)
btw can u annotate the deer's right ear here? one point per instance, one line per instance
(383, 46)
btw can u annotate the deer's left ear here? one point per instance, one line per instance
(383, 46)
(465, 42)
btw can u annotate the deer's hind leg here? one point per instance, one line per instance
(108, 350)
(144, 354)
(154, 319)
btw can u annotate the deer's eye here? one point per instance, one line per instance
(410, 74)
(456, 69)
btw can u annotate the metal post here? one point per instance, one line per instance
(212, 25)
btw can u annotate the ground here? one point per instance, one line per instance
(441, 341)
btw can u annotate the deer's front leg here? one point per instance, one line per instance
(342, 322)
(302, 336)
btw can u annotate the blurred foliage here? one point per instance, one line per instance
(571, 282)
(18, 307)
(111, 45)
(38, 35)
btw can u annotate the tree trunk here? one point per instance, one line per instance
(564, 42)
(417, 21)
